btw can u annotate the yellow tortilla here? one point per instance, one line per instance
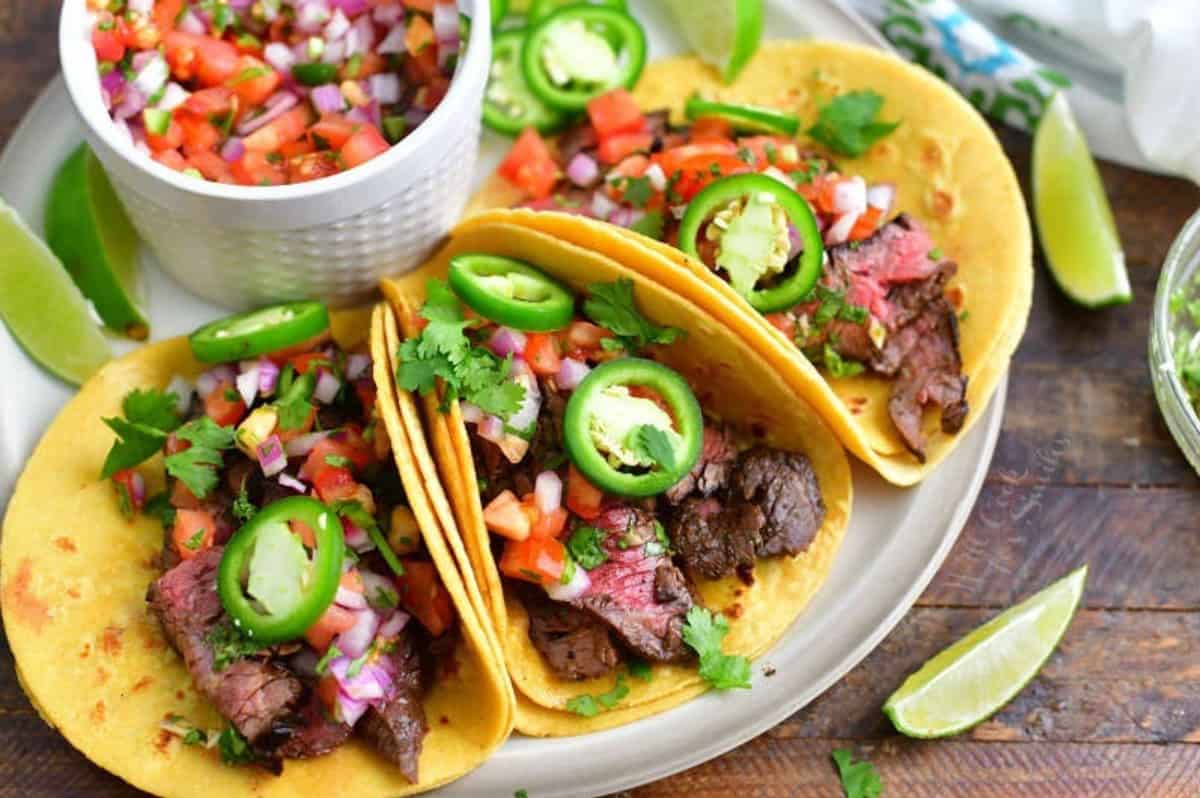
(733, 383)
(951, 174)
(95, 664)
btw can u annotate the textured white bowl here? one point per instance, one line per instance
(331, 239)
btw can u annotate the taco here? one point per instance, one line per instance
(257, 579)
(643, 502)
(881, 258)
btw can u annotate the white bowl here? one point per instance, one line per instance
(331, 239)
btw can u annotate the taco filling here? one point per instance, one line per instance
(607, 489)
(856, 283)
(293, 581)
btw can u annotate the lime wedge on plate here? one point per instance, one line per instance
(725, 33)
(42, 306)
(970, 680)
(1075, 223)
(87, 229)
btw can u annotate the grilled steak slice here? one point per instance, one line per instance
(575, 644)
(898, 252)
(253, 694)
(711, 472)
(397, 729)
(638, 591)
(715, 541)
(307, 733)
(784, 488)
(545, 450)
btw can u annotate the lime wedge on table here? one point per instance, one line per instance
(970, 680)
(1075, 223)
(87, 229)
(725, 33)
(42, 306)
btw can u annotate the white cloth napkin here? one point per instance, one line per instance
(1132, 67)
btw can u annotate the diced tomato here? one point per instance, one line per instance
(358, 454)
(332, 623)
(279, 131)
(423, 594)
(139, 33)
(541, 353)
(254, 81)
(614, 148)
(313, 166)
(107, 40)
(632, 166)
(506, 516)
(419, 34)
(193, 532)
(333, 483)
(529, 165)
(199, 135)
(711, 128)
(826, 187)
(583, 498)
(425, 6)
(260, 169)
(211, 166)
(172, 139)
(328, 689)
(584, 338)
(165, 13)
(181, 49)
(366, 393)
(208, 103)
(615, 112)
(124, 480)
(307, 361)
(550, 525)
(182, 497)
(783, 322)
(332, 131)
(769, 150)
(866, 224)
(364, 145)
(537, 560)
(352, 581)
(216, 61)
(698, 172)
(224, 405)
(296, 149)
(171, 159)
(673, 160)
(304, 532)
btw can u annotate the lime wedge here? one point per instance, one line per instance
(979, 674)
(87, 229)
(42, 306)
(1075, 223)
(725, 33)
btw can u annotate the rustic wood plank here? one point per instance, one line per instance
(28, 56)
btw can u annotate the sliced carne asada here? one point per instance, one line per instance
(783, 486)
(252, 693)
(638, 591)
(715, 541)
(397, 729)
(575, 643)
(308, 733)
(711, 472)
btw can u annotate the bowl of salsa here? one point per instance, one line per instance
(274, 149)
(1175, 341)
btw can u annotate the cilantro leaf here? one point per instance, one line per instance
(135, 443)
(704, 632)
(838, 366)
(637, 191)
(234, 748)
(243, 509)
(611, 306)
(590, 706)
(859, 779)
(521, 794)
(152, 408)
(640, 669)
(206, 433)
(655, 444)
(196, 468)
(651, 225)
(159, 506)
(847, 124)
(585, 547)
(293, 404)
(229, 645)
(195, 737)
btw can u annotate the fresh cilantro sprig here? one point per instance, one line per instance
(859, 779)
(196, 467)
(654, 444)
(838, 366)
(611, 306)
(849, 124)
(585, 546)
(234, 748)
(243, 509)
(651, 225)
(704, 632)
(641, 670)
(229, 645)
(149, 416)
(589, 706)
(295, 401)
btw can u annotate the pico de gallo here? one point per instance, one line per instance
(605, 486)
(858, 285)
(290, 555)
(270, 92)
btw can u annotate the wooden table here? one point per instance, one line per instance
(1085, 471)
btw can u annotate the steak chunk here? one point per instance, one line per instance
(397, 728)
(638, 591)
(575, 644)
(711, 471)
(253, 694)
(309, 732)
(715, 541)
(783, 487)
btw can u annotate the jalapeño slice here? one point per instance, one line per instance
(743, 118)
(540, 9)
(508, 105)
(790, 288)
(258, 332)
(603, 412)
(593, 48)
(511, 292)
(268, 582)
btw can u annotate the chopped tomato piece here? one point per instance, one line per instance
(366, 393)
(541, 352)
(165, 13)
(423, 594)
(306, 362)
(529, 165)
(506, 516)
(199, 135)
(279, 131)
(866, 224)
(296, 149)
(172, 139)
(769, 151)
(260, 169)
(711, 128)
(208, 103)
(826, 186)
(304, 532)
(224, 405)
(550, 525)
(537, 560)
(193, 532)
(107, 40)
(286, 435)
(327, 687)
(352, 581)
(254, 81)
(783, 322)
(615, 112)
(313, 166)
(332, 131)
(419, 34)
(216, 61)
(673, 160)
(583, 498)
(333, 483)
(614, 148)
(140, 33)
(357, 455)
(584, 338)
(698, 172)
(171, 159)
(332, 623)
(364, 145)
(211, 166)
(183, 498)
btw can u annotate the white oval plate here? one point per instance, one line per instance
(896, 541)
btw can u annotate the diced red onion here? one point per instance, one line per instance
(348, 710)
(327, 99)
(174, 96)
(141, 6)
(207, 382)
(113, 84)
(576, 588)
(850, 196)
(385, 87)
(268, 376)
(356, 537)
(795, 242)
(240, 5)
(183, 391)
(471, 413)
(357, 365)
(369, 114)
(583, 170)
(525, 418)
(291, 483)
(137, 489)
(394, 625)
(602, 206)
(280, 56)
(311, 17)
(839, 231)
(506, 341)
(414, 117)
(354, 641)
(327, 387)
(284, 103)
(389, 14)
(247, 385)
(491, 428)
(621, 217)
(571, 373)
(233, 149)
(657, 177)
(361, 38)
(133, 101)
(190, 23)
(351, 8)
(881, 196)
(547, 492)
(271, 456)
(153, 75)
(345, 597)
(335, 52)
(337, 27)
(301, 445)
(393, 42)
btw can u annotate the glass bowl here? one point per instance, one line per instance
(1180, 272)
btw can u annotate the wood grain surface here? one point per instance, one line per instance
(1085, 471)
